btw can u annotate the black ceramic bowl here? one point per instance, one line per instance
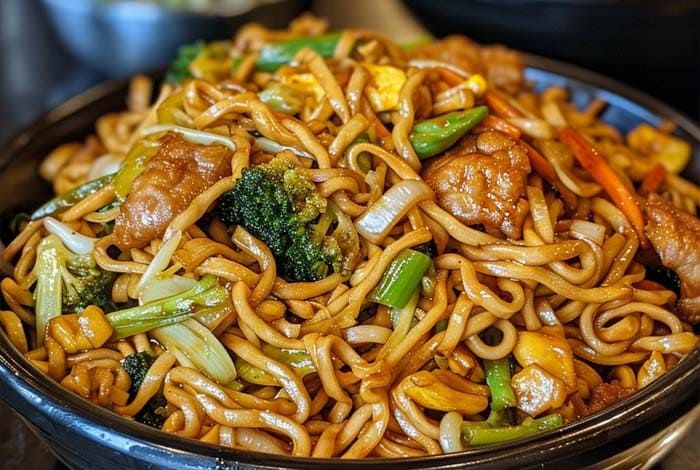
(85, 436)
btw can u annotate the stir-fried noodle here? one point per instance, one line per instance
(323, 245)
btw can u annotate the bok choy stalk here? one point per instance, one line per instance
(66, 282)
(195, 346)
(91, 328)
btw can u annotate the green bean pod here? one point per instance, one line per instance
(436, 135)
(478, 434)
(72, 197)
(276, 54)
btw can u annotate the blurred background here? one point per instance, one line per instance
(54, 49)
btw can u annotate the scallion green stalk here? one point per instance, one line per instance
(478, 434)
(401, 279)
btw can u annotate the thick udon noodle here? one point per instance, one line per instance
(572, 283)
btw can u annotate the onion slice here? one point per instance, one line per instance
(378, 220)
(451, 433)
(585, 229)
(74, 241)
(193, 135)
(270, 146)
(104, 165)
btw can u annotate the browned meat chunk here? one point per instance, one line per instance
(482, 181)
(675, 236)
(605, 394)
(501, 66)
(177, 174)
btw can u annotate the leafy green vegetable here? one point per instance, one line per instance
(179, 70)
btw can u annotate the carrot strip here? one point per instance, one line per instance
(646, 284)
(500, 125)
(500, 106)
(450, 77)
(542, 166)
(652, 181)
(591, 160)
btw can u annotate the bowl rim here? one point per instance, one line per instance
(657, 401)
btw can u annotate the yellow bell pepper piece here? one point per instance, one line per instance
(76, 332)
(429, 392)
(384, 86)
(537, 390)
(550, 352)
(306, 83)
(673, 153)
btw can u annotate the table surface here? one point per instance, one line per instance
(39, 75)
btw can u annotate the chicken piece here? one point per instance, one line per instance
(675, 236)
(175, 175)
(501, 66)
(606, 394)
(482, 180)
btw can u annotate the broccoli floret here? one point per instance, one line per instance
(154, 413)
(66, 282)
(277, 203)
(85, 284)
(137, 365)
(179, 70)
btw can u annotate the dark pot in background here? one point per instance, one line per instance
(653, 45)
(123, 38)
(637, 430)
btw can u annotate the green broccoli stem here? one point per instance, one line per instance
(274, 55)
(401, 279)
(72, 197)
(498, 379)
(436, 135)
(170, 310)
(478, 434)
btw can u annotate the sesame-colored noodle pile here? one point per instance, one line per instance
(322, 244)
